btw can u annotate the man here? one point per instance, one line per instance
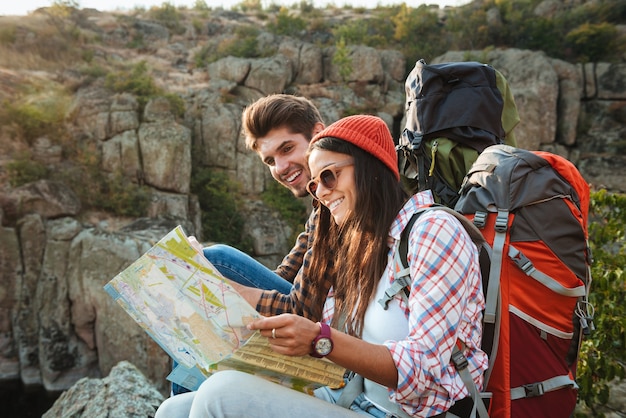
(278, 127)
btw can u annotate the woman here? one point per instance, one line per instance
(402, 351)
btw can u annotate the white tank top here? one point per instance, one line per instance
(381, 325)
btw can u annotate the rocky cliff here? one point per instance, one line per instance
(57, 325)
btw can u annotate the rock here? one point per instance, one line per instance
(270, 75)
(165, 151)
(306, 61)
(363, 62)
(124, 393)
(46, 152)
(123, 116)
(230, 68)
(120, 154)
(47, 198)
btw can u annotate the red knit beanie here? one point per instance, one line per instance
(367, 132)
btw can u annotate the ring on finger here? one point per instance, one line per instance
(274, 333)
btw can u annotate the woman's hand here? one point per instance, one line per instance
(195, 244)
(288, 333)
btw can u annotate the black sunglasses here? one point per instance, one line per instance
(328, 177)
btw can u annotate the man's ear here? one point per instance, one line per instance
(319, 127)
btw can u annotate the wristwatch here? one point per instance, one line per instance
(322, 344)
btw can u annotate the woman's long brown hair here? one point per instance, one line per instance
(355, 253)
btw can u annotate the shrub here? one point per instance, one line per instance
(200, 5)
(341, 59)
(243, 44)
(24, 170)
(110, 192)
(290, 208)
(286, 25)
(138, 81)
(374, 32)
(604, 351)
(249, 5)
(34, 116)
(169, 16)
(419, 33)
(7, 35)
(592, 42)
(220, 202)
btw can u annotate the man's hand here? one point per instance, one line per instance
(288, 333)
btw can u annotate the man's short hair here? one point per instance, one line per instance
(298, 114)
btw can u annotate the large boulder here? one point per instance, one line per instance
(124, 393)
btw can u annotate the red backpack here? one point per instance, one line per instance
(532, 209)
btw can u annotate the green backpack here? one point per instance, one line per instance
(453, 112)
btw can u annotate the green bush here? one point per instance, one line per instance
(110, 192)
(592, 42)
(249, 5)
(7, 35)
(419, 34)
(286, 24)
(201, 6)
(220, 202)
(603, 353)
(242, 44)
(24, 170)
(341, 59)
(290, 208)
(138, 81)
(169, 16)
(118, 195)
(36, 115)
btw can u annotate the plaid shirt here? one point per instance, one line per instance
(294, 267)
(445, 304)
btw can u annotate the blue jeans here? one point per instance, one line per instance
(239, 267)
(230, 394)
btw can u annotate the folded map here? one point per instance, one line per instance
(189, 309)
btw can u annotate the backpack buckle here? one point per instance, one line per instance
(459, 359)
(533, 389)
(502, 221)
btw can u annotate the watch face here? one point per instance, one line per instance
(323, 346)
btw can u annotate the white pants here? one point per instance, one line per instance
(236, 394)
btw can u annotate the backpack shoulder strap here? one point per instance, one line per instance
(402, 278)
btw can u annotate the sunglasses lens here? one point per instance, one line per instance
(328, 179)
(312, 187)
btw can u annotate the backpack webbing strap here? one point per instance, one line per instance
(537, 389)
(502, 221)
(460, 363)
(356, 386)
(402, 278)
(529, 269)
(351, 390)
